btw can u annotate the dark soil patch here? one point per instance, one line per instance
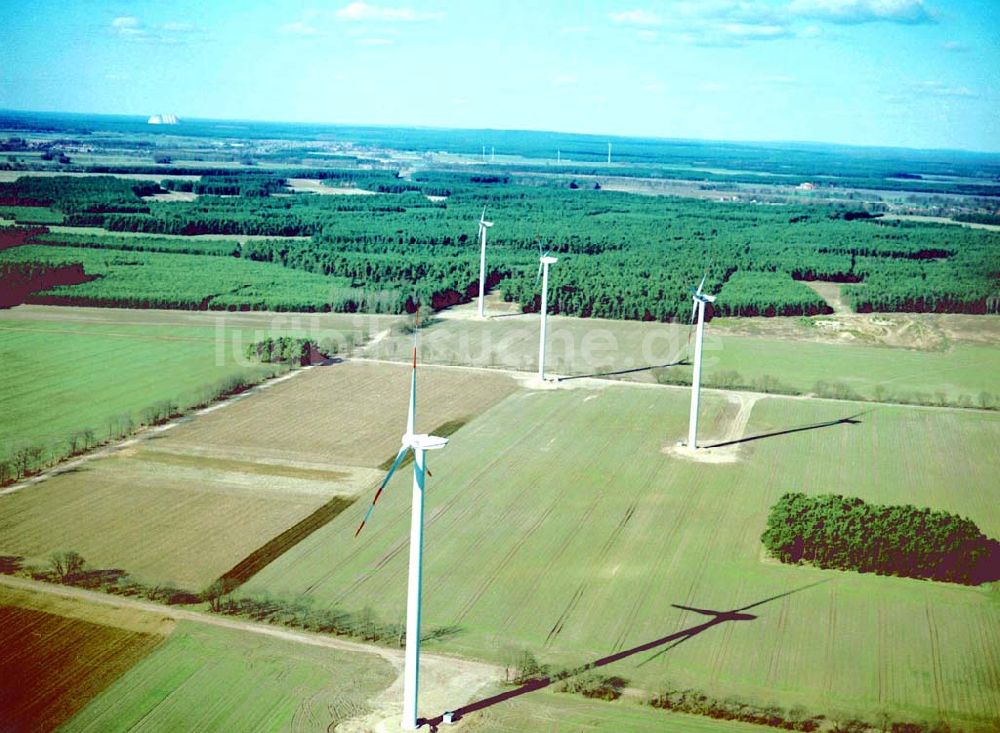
(271, 551)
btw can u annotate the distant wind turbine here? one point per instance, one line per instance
(698, 307)
(483, 226)
(544, 260)
(418, 443)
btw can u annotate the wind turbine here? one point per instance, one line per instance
(544, 260)
(418, 443)
(697, 307)
(483, 226)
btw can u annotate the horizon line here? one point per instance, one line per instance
(603, 137)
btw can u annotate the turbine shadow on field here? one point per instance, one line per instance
(850, 420)
(634, 370)
(671, 640)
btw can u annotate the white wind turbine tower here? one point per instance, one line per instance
(544, 260)
(483, 226)
(418, 443)
(698, 307)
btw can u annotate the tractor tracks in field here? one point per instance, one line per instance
(468, 505)
(602, 554)
(508, 556)
(935, 653)
(655, 573)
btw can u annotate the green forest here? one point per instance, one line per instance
(621, 255)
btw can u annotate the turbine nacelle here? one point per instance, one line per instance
(483, 224)
(703, 297)
(422, 441)
(547, 260)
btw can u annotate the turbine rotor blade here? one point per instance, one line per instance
(412, 414)
(392, 470)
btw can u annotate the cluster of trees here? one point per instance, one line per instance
(595, 686)
(992, 219)
(253, 185)
(69, 567)
(696, 702)
(78, 195)
(300, 613)
(833, 531)
(282, 350)
(129, 243)
(435, 275)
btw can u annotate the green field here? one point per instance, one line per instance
(67, 370)
(574, 534)
(211, 679)
(796, 359)
(31, 214)
(50, 665)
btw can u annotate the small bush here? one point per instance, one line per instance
(595, 686)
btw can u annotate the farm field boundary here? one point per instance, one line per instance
(446, 679)
(143, 434)
(52, 665)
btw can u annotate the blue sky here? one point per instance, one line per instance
(913, 73)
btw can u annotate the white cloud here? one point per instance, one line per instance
(361, 11)
(656, 87)
(563, 80)
(635, 17)
(940, 89)
(133, 29)
(128, 26)
(712, 87)
(732, 23)
(754, 32)
(300, 28)
(955, 46)
(574, 30)
(863, 11)
(375, 42)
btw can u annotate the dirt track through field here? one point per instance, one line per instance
(447, 682)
